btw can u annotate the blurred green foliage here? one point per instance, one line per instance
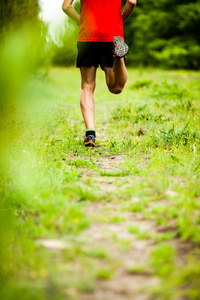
(22, 52)
(164, 33)
(63, 51)
(16, 13)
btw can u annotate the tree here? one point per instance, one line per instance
(14, 13)
(64, 52)
(165, 33)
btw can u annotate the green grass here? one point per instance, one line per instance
(49, 182)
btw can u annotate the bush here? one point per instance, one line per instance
(164, 33)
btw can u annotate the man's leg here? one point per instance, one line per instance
(116, 76)
(88, 82)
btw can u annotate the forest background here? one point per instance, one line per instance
(161, 33)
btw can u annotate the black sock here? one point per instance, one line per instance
(90, 132)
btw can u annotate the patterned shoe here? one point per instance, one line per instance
(89, 141)
(120, 48)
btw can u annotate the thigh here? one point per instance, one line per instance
(116, 71)
(108, 74)
(88, 76)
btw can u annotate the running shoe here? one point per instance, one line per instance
(89, 141)
(120, 48)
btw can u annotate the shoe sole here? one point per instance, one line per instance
(89, 144)
(120, 47)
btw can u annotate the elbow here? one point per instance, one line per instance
(65, 7)
(132, 2)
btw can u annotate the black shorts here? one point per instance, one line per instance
(95, 54)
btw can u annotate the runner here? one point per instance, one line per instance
(100, 42)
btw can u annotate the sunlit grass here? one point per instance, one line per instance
(49, 180)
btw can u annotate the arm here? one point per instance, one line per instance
(70, 11)
(129, 7)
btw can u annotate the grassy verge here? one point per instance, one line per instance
(145, 167)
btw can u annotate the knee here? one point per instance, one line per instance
(116, 90)
(88, 87)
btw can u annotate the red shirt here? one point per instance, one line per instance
(101, 20)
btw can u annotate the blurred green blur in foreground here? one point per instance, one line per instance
(75, 223)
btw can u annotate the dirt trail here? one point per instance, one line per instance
(127, 282)
(132, 278)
